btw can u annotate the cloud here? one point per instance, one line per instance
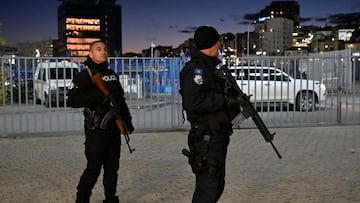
(245, 19)
(189, 29)
(321, 20)
(244, 22)
(235, 17)
(344, 19)
(251, 16)
(173, 26)
(336, 19)
(304, 20)
(356, 5)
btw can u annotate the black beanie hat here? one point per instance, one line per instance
(205, 37)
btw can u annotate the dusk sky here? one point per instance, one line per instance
(164, 22)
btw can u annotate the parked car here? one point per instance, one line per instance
(269, 84)
(52, 80)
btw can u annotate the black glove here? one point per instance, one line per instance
(109, 99)
(126, 121)
(115, 110)
(232, 103)
(244, 100)
(246, 111)
(129, 125)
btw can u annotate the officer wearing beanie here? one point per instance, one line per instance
(207, 108)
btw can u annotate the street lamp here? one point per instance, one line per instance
(248, 37)
(152, 46)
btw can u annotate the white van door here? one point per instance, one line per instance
(40, 83)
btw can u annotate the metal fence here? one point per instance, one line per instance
(338, 71)
(151, 86)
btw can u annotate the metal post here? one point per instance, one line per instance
(236, 52)
(248, 38)
(339, 88)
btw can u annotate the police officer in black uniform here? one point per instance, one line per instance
(210, 109)
(102, 142)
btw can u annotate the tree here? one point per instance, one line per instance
(355, 37)
(28, 48)
(2, 40)
(2, 43)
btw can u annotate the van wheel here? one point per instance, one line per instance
(305, 101)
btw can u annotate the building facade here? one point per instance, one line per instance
(81, 22)
(275, 36)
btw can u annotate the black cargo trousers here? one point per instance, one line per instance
(102, 149)
(208, 149)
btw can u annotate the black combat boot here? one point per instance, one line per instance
(112, 200)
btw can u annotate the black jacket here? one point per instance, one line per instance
(85, 93)
(203, 92)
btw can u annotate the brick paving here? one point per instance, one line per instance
(320, 164)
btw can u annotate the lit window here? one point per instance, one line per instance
(73, 40)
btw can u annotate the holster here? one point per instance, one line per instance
(198, 154)
(92, 120)
(95, 121)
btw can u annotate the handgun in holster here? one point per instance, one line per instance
(92, 120)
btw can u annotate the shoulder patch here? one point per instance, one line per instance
(198, 79)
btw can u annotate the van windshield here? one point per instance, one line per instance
(63, 73)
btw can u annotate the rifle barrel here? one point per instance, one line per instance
(255, 116)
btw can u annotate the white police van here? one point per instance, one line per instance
(52, 80)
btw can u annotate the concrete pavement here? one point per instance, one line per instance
(320, 164)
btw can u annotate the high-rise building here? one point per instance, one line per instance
(275, 35)
(284, 9)
(274, 27)
(81, 22)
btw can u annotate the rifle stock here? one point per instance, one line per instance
(250, 107)
(100, 84)
(120, 124)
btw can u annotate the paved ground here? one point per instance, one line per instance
(320, 164)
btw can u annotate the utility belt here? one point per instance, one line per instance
(225, 128)
(94, 120)
(218, 121)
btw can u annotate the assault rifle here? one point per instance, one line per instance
(120, 124)
(247, 107)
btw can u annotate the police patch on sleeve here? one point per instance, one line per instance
(198, 79)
